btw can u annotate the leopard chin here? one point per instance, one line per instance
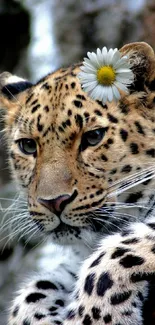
(65, 234)
(75, 236)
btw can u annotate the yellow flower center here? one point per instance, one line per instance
(106, 75)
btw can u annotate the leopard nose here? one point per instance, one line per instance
(56, 205)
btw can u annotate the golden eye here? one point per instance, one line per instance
(92, 138)
(27, 146)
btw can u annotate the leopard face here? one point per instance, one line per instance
(70, 154)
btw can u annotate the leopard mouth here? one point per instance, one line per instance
(64, 228)
(93, 224)
(61, 228)
(65, 233)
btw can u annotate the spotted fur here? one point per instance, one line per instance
(87, 169)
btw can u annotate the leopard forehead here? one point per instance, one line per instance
(58, 104)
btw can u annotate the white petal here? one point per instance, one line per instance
(127, 75)
(87, 76)
(88, 68)
(100, 57)
(89, 83)
(89, 86)
(93, 58)
(104, 94)
(116, 92)
(84, 75)
(104, 50)
(120, 63)
(99, 90)
(124, 69)
(121, 86)
(95, 93)
(110, 94)
(109, 56)
(123, 76)
(104, 54)
(116, 57)
(87, 62)
(123, 80)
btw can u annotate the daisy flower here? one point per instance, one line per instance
(105, 73)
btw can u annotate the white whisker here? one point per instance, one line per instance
(129, 186)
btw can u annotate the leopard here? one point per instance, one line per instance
(86, 170)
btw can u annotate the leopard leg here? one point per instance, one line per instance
(44, 298)
(113, 285)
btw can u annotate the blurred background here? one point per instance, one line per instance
(37, 37)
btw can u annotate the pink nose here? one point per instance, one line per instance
(56, 205)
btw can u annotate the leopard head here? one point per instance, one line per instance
(71, 155)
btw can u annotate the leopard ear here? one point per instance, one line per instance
(10, 87)
(142, 60)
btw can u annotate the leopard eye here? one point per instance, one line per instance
(27, 146)
(92, 138)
